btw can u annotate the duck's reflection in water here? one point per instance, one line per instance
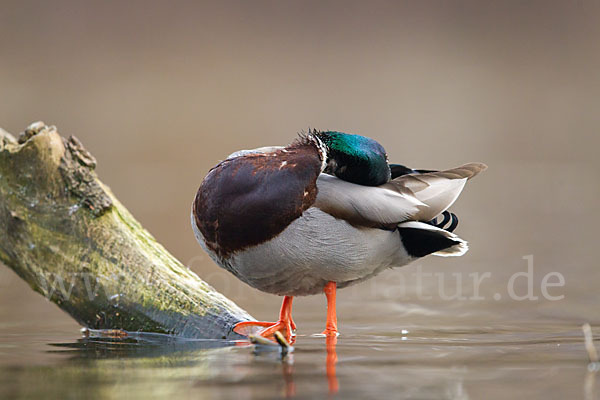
(331, 360)
(330, 364)
(288, 377)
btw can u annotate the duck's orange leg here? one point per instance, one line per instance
(285, 324)
(331, 327)
(331, 333)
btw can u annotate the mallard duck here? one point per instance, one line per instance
(326, 212)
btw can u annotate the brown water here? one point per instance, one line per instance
(159, 93)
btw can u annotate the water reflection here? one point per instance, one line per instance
(457, 363)
(163, 349)
(116, 359)
(331, 343)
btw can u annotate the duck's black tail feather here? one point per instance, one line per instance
(421, 239)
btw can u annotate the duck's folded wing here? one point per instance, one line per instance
(372, 206)
(413, 197)
(438, 190)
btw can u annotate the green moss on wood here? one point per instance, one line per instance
(66, 234)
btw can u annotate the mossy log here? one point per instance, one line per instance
(69, 238)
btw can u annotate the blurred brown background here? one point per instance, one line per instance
(160, 91)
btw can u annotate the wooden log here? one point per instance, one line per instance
(65, 233)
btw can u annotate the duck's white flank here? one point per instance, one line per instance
(314, 249)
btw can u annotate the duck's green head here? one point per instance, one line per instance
(355, 158)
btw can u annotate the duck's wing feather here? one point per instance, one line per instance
(438, 190)
(260, 150)
(373, 206)
(412, 197)
(398, 170)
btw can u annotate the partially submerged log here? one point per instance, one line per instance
(69, 238)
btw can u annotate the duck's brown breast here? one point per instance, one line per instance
(248, 200)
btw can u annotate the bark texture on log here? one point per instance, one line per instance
(69, 238)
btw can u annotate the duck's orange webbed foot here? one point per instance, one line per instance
(248, 328)
(285, 325)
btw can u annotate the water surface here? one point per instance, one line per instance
(448, 362)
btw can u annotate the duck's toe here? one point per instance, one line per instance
(266, 329)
